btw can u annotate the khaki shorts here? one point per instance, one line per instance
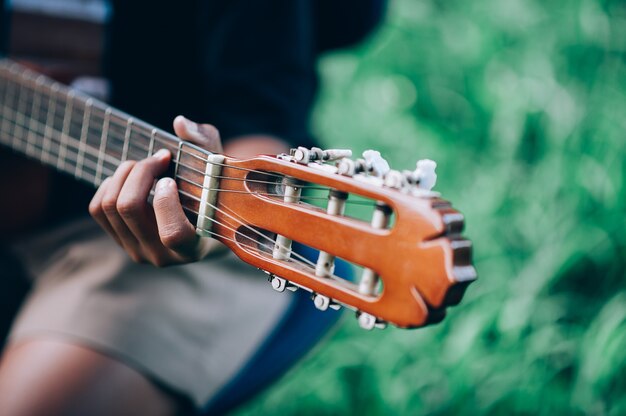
(189, 327)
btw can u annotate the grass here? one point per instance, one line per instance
(523, 106)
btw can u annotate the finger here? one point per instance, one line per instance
(204, 135)
(133, 207)
(96, 211)
(175, 230)
(109, 206)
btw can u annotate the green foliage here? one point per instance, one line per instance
(523, 106)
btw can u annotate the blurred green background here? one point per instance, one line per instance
(523, 105)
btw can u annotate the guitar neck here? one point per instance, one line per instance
(74, 133)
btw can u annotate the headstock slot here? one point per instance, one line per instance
(258, 243)
(315, 196)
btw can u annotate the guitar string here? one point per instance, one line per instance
(300, 258)
(367, 203)
(20, 100)
(179, 151)
(260, 234)
(82, 99)
(112, 138)
(197, 184)
(135, 134)
(296, 256)
(89, 168)
(115, 162)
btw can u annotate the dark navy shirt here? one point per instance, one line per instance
(247, 67)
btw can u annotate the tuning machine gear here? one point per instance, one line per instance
(424, 175)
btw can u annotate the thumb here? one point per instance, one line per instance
(203, 135)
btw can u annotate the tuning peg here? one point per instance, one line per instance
(349, 167)
(425, 174)
(322, 302)
(304, 155)
(366, 321)
(279, 284)
(395, 179)
(369, 322)
(375, 163)
(336, 154)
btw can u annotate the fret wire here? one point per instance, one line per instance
(36, 108)
(48, 107)
(5, 97)
(11, 97)
(20, 104)
(103, 144)
(45, 151)
(151, 148)
(83, 138)
(13, 100)
(180, 146)
(135, 137)
(9, 93)
(65, 131)
(129, 126)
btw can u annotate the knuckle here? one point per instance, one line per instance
(174, 237)
(95, 209)
(129, 207)
(109, 206)
(141, 165)
(145, 164)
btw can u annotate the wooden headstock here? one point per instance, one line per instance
(421, 259)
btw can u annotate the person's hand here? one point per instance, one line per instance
(159, 233)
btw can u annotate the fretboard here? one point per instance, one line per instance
(73, 132)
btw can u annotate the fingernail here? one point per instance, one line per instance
(164, 183)
(161, 154)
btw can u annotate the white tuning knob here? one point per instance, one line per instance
(425, 174)
(375, 162)
(336, 154)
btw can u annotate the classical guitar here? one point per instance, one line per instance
(413, 261)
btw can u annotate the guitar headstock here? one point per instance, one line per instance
(413, 261)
